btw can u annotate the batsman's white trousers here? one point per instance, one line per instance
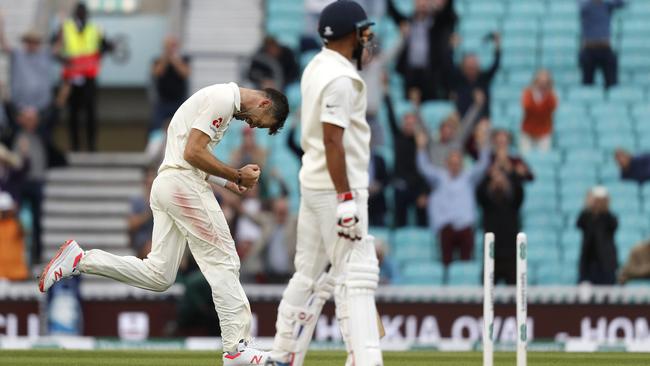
(318, 243)
(185, 210)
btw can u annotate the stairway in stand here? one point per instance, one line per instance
(89, 201)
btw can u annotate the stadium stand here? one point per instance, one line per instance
(589, 124)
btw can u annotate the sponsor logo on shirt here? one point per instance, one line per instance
(217, 123)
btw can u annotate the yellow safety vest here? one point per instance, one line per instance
(81, 49)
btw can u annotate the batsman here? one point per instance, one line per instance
(333, 216)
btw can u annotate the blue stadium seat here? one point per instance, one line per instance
(609, 173)
(625, 241)
(557, 273)
(638, 282)
(519, 60)
(560, 26)
(434, 112)
(622, 206)
(413, 243)
(636, 26)
(534, 203)
(515, 42)
(381, 233)
(610, 108)
(551, 158)
(635, 62)
(506, 94)
(566, 43)
(626, 93)
(477, 27)
(564, 10)
(464, 273)
(522, 27)
(527, 9)
(635, 45)
(559, 60)
(421, 272)
(542, 221)
(612, 141)
(486, 9)
(574, 139)
(583, 156)
(633, 222)
(593, 94)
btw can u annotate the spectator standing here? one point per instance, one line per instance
(637, 265)
(500, 195)
(379, 179)
(410, 188)
(452, 134)
(13, 170)
(452, 205)
(140, 220)
(170, 75)
(539, 102)
(273, 66)
(30, 70)
(12, 245)
(598, 259)
(426, 57)
(636, 168)
(596, 52)
(83, 45)
(469, 77)
(31, 147)
(510, 164)
(279, 234)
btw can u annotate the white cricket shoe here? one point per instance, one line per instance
(245, 356)
(63, 265)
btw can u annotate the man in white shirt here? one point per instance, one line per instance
(333, 216)
(185, 210)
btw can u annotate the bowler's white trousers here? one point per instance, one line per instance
(185, 210)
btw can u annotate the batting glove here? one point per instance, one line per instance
(347, 217)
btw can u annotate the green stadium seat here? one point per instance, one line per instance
(464, 273)
(421, 272)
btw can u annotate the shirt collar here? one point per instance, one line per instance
(337, 56)
(235, 89)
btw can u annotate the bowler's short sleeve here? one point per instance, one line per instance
(214, 110)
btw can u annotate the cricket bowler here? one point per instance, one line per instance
(333, 216)
(185, 211)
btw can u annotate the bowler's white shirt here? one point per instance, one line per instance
(209, 110)
(333, 92)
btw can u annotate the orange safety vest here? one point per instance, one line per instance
(81, 49)
(12, 249)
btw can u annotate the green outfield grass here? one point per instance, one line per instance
(320, 358)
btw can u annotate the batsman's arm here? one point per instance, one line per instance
(197, 154)
(335, 155)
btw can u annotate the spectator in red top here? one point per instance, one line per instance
(539, 102)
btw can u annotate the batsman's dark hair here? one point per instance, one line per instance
(279, 109)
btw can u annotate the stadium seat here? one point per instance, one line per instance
(574, 139)
(381, 233)
(610, 108)
(626, 93)
(583, 156)
(567, 44)
(633, 222)
(491, 9)
(413, 243)
(515, 42)
(593, 94)
(609, 173)
(526, 9)
(522, 27)
(560, 26)
(611, 140)
(464, 273)
(625, 241)
(564, 10)
(556, 273)
(542, 221)
(420, 272)
(635, 62)
(434, 112)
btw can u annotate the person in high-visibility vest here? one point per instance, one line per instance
(82, 45)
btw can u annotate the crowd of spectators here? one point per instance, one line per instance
(462, 177)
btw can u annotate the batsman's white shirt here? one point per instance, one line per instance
(185, 211)
(209, 110)
(333, 92)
